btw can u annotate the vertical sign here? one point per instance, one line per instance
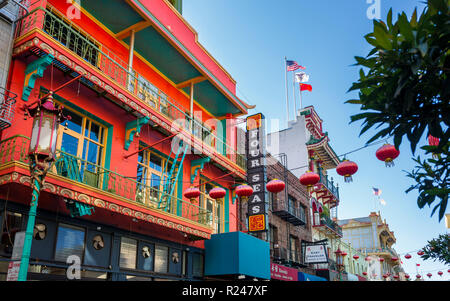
(256, 173)
(14, 266)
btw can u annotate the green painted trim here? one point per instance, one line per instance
(198, 164)
(223, 137)
(34, 70)
(132, 128)
(168, 33)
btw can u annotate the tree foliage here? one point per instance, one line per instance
(438, 249)
(404, 83)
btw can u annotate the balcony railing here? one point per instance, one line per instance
(7, 106)
(93, 52)
(15, 149)
(381, 250)
(326, 221)
(288, 212)
(329, 184)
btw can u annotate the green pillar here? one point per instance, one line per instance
(36, 177)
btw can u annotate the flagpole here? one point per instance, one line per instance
(287, 97)
(301, 105)
(293, 92)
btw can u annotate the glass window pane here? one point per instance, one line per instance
(161, 255)
(70, 241)
(155, 162)
(128, 248)
(86, 129)
(75, 123)
(155, 181)
(92, 153)
(69, 144)
(95, 132)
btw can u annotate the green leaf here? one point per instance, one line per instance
(405, 28)
(381, 36)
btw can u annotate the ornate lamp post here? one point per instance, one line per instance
(46, 119)
(340, 262)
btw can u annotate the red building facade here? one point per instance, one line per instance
(152, 114)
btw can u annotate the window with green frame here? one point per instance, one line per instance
(152, 173)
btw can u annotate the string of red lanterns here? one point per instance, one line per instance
(387, 153)
(346, 169)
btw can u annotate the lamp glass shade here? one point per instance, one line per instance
(43, 135)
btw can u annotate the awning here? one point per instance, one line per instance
(308, 277)
(237, 253)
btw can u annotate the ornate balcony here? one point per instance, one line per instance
(103, 70)
(327, 190)
(329, 226)
(289, 213)
(110, 189)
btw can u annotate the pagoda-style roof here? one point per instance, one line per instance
(318, 143)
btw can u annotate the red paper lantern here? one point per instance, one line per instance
(418, 264)
(381, 259)
(309, 179)
(217, 193)
(429, 275)
(192, 193)
(275, 186)
(407, 256)
(394, 258)
(433, 141)
(407, 276)
(395, 276)
(355, 257)
(418, 276)
(367, 258)
(365, 273)
(387, 153)
(344, 253)
(420, 253)
(385, 276)
(347, 169)
(440, 273)
(244, 191)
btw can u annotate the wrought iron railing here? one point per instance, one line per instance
(282, 205)
(329, 184)
(93, 52)
(15, 149)
(328, 222)
(7, 107)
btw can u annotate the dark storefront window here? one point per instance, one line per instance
(70, 241)
(161, 256)
(11, 225)
(197, 265)
(128, 249)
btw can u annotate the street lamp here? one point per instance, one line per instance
(42, 151)
(340, 261)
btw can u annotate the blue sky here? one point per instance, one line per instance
(250, 40)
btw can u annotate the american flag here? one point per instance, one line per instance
(376, 191)
(293, 65)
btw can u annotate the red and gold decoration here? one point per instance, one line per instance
(407, 256)
(368, 258)
(192, 193)
(440, 273)
(356, 257)
(429, 275)
(243, 192)
(394, 259)
(309, 179)
(387, 153)
(217, 193)
(418, 276)
(420, 253)
(275, 186)
(346, 169)
(407, 276)
(381, 259)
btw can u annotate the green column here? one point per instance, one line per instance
(37, 178)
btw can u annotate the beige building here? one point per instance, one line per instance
(371, 236)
